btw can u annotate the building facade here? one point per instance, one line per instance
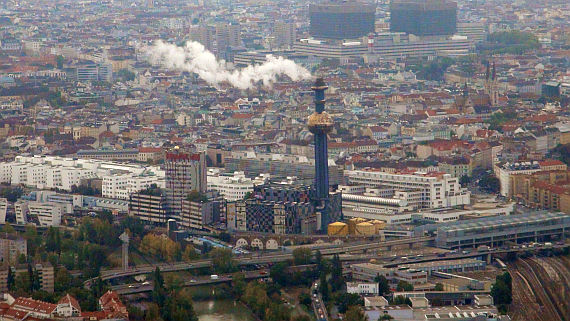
(420, 190)
(184, 173)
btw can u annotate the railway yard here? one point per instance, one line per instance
(541, 287)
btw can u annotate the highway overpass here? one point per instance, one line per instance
(268, 258)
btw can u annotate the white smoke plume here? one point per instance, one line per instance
(193, 57)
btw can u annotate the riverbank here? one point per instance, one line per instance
(223, 310)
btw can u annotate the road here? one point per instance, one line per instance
(469, 254)
(253, 259)
(318, 305)
(134, 288)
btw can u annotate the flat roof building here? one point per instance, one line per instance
(497, 230)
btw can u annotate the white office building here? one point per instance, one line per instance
(42, 214)
(121, 186)
(233, 187)
(362, 288)
(420, 190)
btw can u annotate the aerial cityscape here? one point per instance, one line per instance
(284, 160)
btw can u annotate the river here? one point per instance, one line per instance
(222, 310)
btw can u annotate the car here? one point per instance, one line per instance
(192, 281)
(131, 286)
(146, 283)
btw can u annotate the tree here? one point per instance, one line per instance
(11, 281)
(337, 280)
(190, 253)
(464, 180)
(31, 279)
(324, 287)
(404, 286)
(490, 183)
(59, 60)
(12, 194)
(400, 300)
(62, 280)
(385, 317)
(222, 260)
(8, 229)
(195, 196)
(158, 292)
(355, 313)
(305, 299)
(383, 286)
(302, 255)
(319, 259)
(225, 237)
(346, 300)
(513, 41)
(438, 287)
(502, 291)
(238, 284)
(126, 75)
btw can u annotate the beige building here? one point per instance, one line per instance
(11, 246)
(45, 272)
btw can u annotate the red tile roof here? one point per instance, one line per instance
(31, 305)
(150, 150)
(550, 162)
(68, 299)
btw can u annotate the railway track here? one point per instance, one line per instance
(564, 284)
(525, 306)
(542, 285)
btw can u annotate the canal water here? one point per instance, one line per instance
(222, 310)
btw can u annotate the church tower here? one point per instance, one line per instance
(491, 85)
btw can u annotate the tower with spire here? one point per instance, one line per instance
(320, 123)
(491, 84)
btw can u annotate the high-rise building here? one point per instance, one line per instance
(341, 20)
(285, 34)
(185, 173)
(204, 35)
(219, 39)
(423, 17)
(227, 36)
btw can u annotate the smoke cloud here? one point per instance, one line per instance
(193, 57)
